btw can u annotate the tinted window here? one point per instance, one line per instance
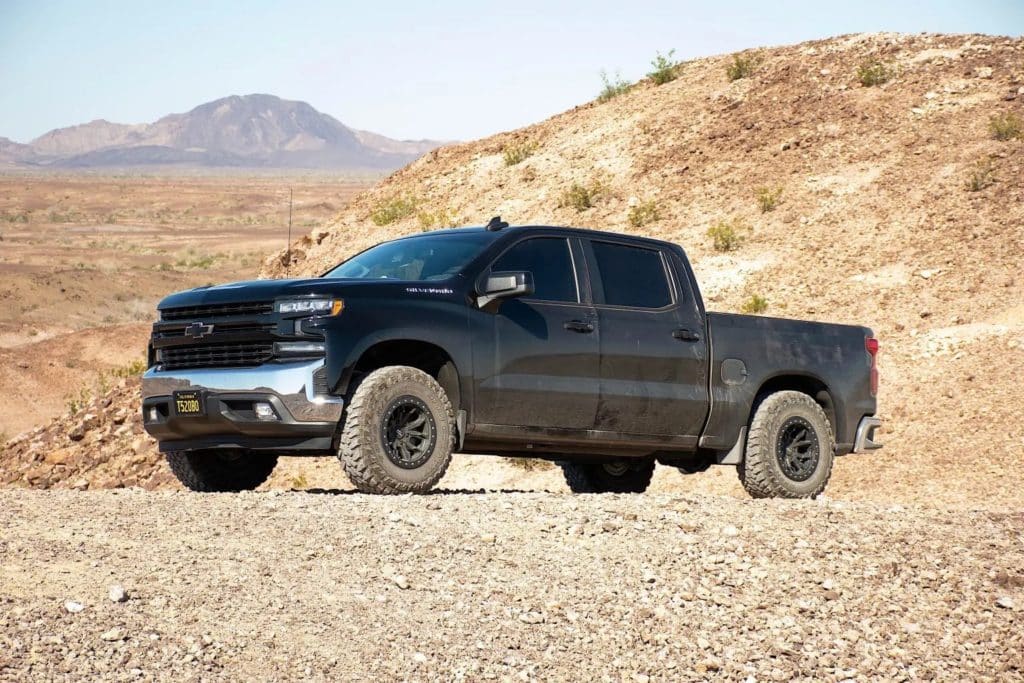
(549, 260)
(632, 276)
(430, 257)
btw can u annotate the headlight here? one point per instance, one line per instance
(310, 306)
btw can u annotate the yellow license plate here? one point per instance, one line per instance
(188, 403)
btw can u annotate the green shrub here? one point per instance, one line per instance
(393, 209)
(873, 73)
(442, 218)
(983, 175)
(643, 213)
(612, 88)
(755, 303)
(581, 197)
(517, 152)
(530, 464)
(725, 235)
(1007, 126)
(768, 198)
(742, 66)
(664, 68)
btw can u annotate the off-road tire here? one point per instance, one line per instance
(596, 477)
(362, 450)
(216, 471)
(761, 471)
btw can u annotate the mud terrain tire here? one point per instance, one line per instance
(790, 448)
(399, 432)
(215, 471)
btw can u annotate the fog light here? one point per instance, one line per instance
(264, 412)
(153, 414)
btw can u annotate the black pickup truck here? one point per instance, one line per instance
(587, 348)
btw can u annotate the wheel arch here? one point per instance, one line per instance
(417, 353)
(805, 383)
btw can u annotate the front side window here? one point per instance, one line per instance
(550, 262)
(632, 276)
(426, 258)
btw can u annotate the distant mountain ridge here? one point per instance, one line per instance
(257, 131)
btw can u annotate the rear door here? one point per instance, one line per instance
(653, 354)
(544, 349)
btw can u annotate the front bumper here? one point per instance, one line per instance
(864, 440)
(305, 421)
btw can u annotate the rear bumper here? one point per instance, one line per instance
(864, 440)
(304, 421)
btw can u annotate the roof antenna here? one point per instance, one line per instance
(496, 224)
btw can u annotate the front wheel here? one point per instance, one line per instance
(221, 470)
(790, 448)
(616, 476)
(399, 432)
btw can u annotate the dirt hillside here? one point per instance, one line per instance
(896, 207)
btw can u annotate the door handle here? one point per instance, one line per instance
(581, 326)
(684, 334)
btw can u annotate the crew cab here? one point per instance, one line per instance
(588, 348)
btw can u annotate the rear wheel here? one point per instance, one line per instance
(399, 432)
(790, 448)
(616, 476)
(221, 470)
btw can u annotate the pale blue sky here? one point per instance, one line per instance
(450, 69)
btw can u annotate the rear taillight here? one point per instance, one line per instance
(871, 345)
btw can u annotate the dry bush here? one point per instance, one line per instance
(742, 66)
(612, 88)
(394, 209)
(768, 198)
(643, 213)
(581, 197)
(726, 235)
(983, 175)
(873, 73)
(518, 152)
(755, 303)
(664, 70)
(1006, 126)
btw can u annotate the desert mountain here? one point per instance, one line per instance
(252, 131)
(889, 202)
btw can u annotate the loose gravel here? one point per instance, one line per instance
(470, 586)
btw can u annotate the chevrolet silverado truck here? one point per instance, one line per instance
(587, 348)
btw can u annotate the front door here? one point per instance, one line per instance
(653, 355)
(543, 350)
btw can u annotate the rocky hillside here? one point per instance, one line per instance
(890, 202)
(241, 131)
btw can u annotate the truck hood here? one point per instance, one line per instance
(269, 290)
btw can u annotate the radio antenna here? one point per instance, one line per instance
(288, 253)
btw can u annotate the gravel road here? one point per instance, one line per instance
(457, 585)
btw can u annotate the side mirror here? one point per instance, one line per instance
(505, 285)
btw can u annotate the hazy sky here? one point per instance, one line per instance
(449, 69)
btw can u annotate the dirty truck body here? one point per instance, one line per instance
(587, 348)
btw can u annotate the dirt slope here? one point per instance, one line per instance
(875, 225)
(511, 586)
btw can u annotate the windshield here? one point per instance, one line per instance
(417, 259)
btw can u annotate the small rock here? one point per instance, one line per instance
(112, 635)
(831, 595)
(531, 617)
(1006, 602)
(419, 658)
(77, 433)
(730, 531)
(400, 581)
(117, 593)
(983, 72)
(828, 584)
(73, 607)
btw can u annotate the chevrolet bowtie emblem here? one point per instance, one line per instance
(198, 330)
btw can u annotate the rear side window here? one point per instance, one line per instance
(632, 276)
(549, 260)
